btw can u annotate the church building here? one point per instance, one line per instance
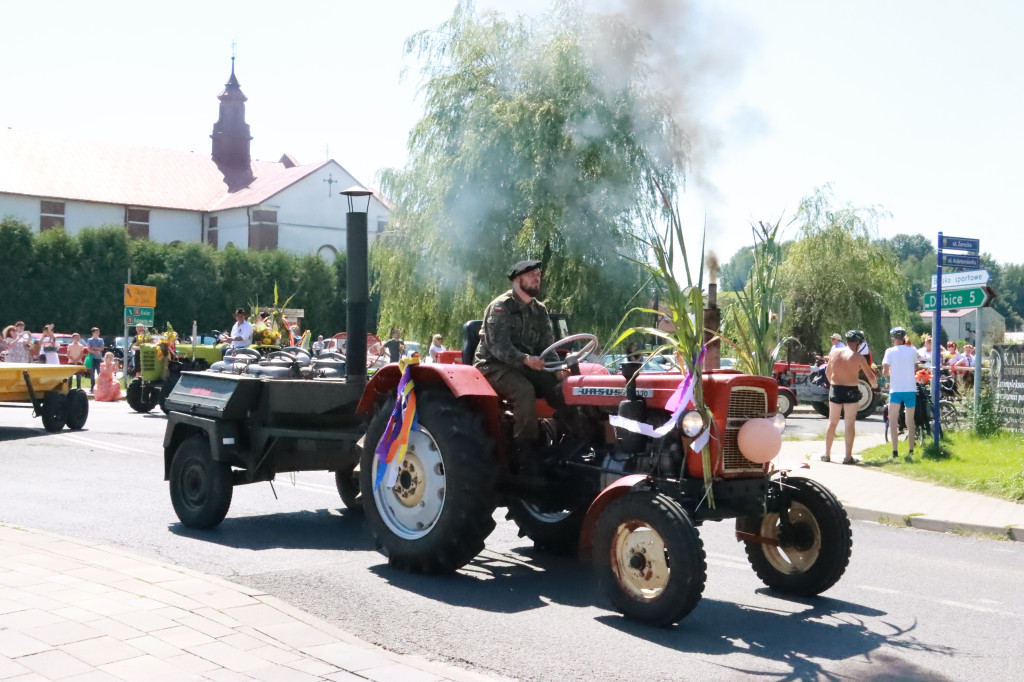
(174, 196)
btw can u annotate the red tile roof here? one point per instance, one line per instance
(110, 173)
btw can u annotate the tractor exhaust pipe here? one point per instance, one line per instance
(357, 283)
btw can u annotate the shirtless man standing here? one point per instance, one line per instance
(843, 372)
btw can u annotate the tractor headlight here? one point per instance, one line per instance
(780, 423)
(691, 423)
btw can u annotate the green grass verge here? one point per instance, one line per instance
(994, 465)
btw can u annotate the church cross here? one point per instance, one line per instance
(330, 182)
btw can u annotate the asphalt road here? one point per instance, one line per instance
(913, 605)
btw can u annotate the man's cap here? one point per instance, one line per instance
(241, 311)
(524, 266)
(837, 337)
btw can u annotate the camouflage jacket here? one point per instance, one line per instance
(512, 330)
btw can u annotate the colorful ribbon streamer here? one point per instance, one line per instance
(677, 403)
(393, 445)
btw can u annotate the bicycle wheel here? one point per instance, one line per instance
(950, 415)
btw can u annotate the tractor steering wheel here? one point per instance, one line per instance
(572, 358)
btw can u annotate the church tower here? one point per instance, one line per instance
(231, 136)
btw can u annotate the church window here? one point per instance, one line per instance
(211, 232)
(51, 214)
(263, 230)
(136, 222)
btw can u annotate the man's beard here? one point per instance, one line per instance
(531, 290)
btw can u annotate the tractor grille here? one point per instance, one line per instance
(744, 402)
(148, 361)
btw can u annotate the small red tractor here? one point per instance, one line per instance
(631, 502)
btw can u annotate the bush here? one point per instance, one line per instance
(984, 419)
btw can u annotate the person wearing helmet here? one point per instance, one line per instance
(900, 365)
(843, 372)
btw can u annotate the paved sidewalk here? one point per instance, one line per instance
(80, 612)
(872, 495)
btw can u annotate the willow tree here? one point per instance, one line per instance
(837, 278)
(539, 139)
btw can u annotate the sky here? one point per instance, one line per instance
(907, 106)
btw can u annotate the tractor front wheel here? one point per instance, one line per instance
(141, 396)
(808, 552)
(435, 516)
(200, 487)
(649, 558)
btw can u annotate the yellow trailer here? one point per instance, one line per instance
(48, 389)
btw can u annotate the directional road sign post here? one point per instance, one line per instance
(956, 260)
(962, 280)
(139, 295)
(961, 244)
(134, 315)
(975, 297)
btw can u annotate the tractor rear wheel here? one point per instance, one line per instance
(811, 551)
(821, 407)
(436, 516)
(554, 531)
(866, 406)
(347, 481)
(55, 411)
(78, 409)
(141, 396)
(649, 557)
(200, 487)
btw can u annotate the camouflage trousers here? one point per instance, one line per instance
(522, 387)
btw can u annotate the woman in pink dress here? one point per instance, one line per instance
(107, 389)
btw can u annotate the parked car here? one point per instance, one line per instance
(63, 341)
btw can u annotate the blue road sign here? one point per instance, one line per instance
(961, 244)
(956, 260)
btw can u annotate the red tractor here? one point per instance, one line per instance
(631, 502)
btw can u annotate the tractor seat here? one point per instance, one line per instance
(470, 340)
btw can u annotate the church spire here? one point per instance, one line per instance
(231, 136)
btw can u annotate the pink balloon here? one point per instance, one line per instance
(759, 440)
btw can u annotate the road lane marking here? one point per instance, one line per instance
(81, 440)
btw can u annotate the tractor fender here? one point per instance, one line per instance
(613, 492)
(462, 381)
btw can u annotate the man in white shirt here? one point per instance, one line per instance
(318, 345)
(837, 341)
(241, 332)
(900, 364)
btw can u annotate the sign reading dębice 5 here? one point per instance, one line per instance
(1008, 384)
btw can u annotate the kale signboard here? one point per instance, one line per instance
(1008, 384)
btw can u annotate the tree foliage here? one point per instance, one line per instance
(838, 278)
(77, 281)
(539, 140)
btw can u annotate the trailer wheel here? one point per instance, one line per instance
(649, 557)
(141, 396)
(554, 531)
(200, 487)
(347, 481)
(78, 409)
(440, 510)
(813, 551)
(55, 411)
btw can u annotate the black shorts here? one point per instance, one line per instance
(844, 395)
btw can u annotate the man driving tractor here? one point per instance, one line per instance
(516, 329)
